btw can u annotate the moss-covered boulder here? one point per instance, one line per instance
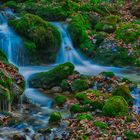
(79, 85)
(60, 100)
(115, 106)
(108, 74)
(129, 32)
(124, 92)
(114, 55)
(53, 77)
(55, 117)
(42, 39)
(84, 116)
(106, 27)
(100, 125)
(78, 30)
(65, 85)
(75, 108)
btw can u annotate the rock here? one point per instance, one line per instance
(115, 106)
(42, 50)
(19, 137)
(55, 117)
(53, 77)
(56, 89)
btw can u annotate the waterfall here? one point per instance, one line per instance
(10, 43)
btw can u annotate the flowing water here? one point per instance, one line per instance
(36, 115)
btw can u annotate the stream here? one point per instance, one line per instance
(36, 114)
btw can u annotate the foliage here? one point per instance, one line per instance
(115, 106)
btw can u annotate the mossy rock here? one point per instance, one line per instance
(108, 74)
(117, 57)
(78, 31)
(132, 31)
(82, 98)
(79, 85)
(75, 108)
(115, 106)
(65, 85)
(60, 100)
(53, 77)
(112, 19)
(84, 116)
(131, 135)
(124, 92)
(97, 105)
(5, 80)
(42, 38)
(101, 125)
(55, 117)
(105, 27)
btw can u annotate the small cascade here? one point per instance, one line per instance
(10, 43)
(67, 52)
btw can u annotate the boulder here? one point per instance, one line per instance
(53, 77)
(56, 89)
(115, 106)
(41, 39)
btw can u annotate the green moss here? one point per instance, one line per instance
(112, 19)
(84, 116)
(79, 85)
(120, 57)
(124, 92)
(101, 125)
(105, 26)
(3, 56)
(65, 85)
(60, 100)
(53, 77)
(41, 37)
(55, 117)
(132, 31)
(115, 106)
(108, 74)
(11, 4)
(78, 30)
(75, 108)
(131, 135)
(5, 80)
(97, 105)
(82, 98)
